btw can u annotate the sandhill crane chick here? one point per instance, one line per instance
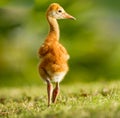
(53, 66)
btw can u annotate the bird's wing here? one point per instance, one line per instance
(64, 51)
(43, 50)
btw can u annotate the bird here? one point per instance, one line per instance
(53, 56)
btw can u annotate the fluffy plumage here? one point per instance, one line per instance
(53, 55)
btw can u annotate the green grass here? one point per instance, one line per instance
(80, 100)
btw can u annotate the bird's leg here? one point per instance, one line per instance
(55, 92)
(49, 91)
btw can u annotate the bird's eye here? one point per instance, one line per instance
(59, 11)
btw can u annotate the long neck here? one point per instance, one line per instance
(54, 29)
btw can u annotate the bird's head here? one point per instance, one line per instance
(57, 12)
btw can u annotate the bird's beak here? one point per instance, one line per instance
(68, 16)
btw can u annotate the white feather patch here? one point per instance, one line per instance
(57, 77)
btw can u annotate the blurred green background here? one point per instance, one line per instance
(93, 40)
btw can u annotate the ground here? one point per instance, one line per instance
(78, 100)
